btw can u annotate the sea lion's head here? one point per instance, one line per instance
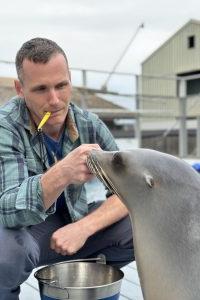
(138, 174)
(120, 171)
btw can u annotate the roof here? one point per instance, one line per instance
(84, 99)
(192, 21)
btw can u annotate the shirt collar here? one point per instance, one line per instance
(70, 123)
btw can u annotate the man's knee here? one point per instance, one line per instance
(17, 257)
(119, 250)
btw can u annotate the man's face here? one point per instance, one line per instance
(47, 87)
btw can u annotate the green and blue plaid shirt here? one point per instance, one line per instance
(22, 162)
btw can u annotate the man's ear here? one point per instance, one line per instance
(18, 88)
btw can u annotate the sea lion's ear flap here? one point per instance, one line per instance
(149, 180)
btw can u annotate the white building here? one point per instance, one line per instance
(178, 56)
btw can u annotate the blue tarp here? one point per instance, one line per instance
(196, 166)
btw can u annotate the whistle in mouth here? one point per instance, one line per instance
(44, 120)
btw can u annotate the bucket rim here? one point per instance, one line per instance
(52, 284)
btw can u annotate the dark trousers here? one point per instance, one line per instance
(22, 250)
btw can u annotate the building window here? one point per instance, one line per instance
(193, 86)
(191, 41)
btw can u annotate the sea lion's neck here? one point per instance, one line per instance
(159, 276)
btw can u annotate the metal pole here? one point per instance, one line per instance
(83, 94)
(138, 135)
(84, 78)
(104, 86)
(198, 136)
(183, 150)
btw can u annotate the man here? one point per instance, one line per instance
(44, 214)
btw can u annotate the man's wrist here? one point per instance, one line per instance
(86, 226)
(55, 177)
(53, 183)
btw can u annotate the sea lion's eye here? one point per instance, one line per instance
(117, 159)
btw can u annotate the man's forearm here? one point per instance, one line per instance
(52, 185)
(111, 211)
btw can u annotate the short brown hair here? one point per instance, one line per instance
(37, 50)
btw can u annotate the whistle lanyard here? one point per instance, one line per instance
(54, 153)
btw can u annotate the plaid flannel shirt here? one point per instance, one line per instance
(21, 163)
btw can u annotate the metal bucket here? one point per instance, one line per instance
(88, 279)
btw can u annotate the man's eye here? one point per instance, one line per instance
(61, 86)
(40, 89)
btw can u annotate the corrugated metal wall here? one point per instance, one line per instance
(172, 58)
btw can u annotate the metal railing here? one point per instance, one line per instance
(151, 97)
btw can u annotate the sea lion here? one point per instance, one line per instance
(162, 194)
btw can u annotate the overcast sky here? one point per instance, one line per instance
(94, 33)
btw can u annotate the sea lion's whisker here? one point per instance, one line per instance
(96, 169)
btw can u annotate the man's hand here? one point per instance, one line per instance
(72, 237)
(74, 166)
(68, 239)
(72, 169)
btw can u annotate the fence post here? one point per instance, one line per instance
(83, 94)
(84, 78)
(198, 136)
(183, 143)
(138, 135)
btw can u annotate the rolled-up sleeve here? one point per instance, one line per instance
(20, 194)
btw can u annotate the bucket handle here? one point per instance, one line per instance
(100, 259)
(48, 294)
